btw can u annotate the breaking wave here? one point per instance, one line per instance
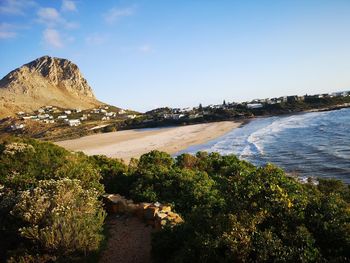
(309, 144)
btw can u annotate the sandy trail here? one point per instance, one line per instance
(134, 143)
(129, 241)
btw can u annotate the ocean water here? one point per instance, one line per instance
(313, 144)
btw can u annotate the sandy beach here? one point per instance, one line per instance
(134, 143)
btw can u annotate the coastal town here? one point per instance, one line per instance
(109, 118)
(243, 110)
(70, 117)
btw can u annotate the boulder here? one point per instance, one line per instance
(150, 212)
(161, 215)
(165, 208)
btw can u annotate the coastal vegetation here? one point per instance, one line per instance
(49, 203)
(233, 211)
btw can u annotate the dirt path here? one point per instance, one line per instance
(129, 241)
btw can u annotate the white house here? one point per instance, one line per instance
(68, 112)
(43, 116)
(62, 117)
(73, 122)
(17, 127)
(254, 105)
(110, 114)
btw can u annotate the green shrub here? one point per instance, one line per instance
(114, 174)
(256, 214)
(37, 179)
(24, 162)
(61, 217)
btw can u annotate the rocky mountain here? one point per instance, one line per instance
(45, 81)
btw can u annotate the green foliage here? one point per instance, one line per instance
(233, 211)
(24, 162)
(255, 215)
(236, 212)
(61, 217)
(114, 175)
(49, 205)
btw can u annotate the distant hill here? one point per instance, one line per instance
(45, 81)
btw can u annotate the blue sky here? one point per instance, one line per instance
(152, 53)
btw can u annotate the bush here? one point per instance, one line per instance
(114, 174)
(39, 181)
(24, 162)
(60, 217)
(255, 215)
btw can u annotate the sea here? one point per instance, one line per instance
(315, 144)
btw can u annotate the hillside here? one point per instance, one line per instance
(45, 81)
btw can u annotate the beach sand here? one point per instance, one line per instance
(134, 143)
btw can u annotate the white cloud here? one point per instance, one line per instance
(49, 15)
(115, 14)
(7, 31)
(96, 39)
(15, 7)
(53, 38)
(7, 34)
(68, 5)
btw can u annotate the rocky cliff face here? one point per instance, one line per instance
(45, 81)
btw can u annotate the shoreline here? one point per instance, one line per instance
(129, 144)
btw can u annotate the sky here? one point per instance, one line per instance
(152, 53)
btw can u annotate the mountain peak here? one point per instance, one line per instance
(46, 81)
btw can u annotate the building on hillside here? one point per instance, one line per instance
(73, 122)
(110, 114)
(292, 98)
(254, 105)
(43, 116)
(283, 99)
(48, 121)
(62, 117)
(17, 126)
